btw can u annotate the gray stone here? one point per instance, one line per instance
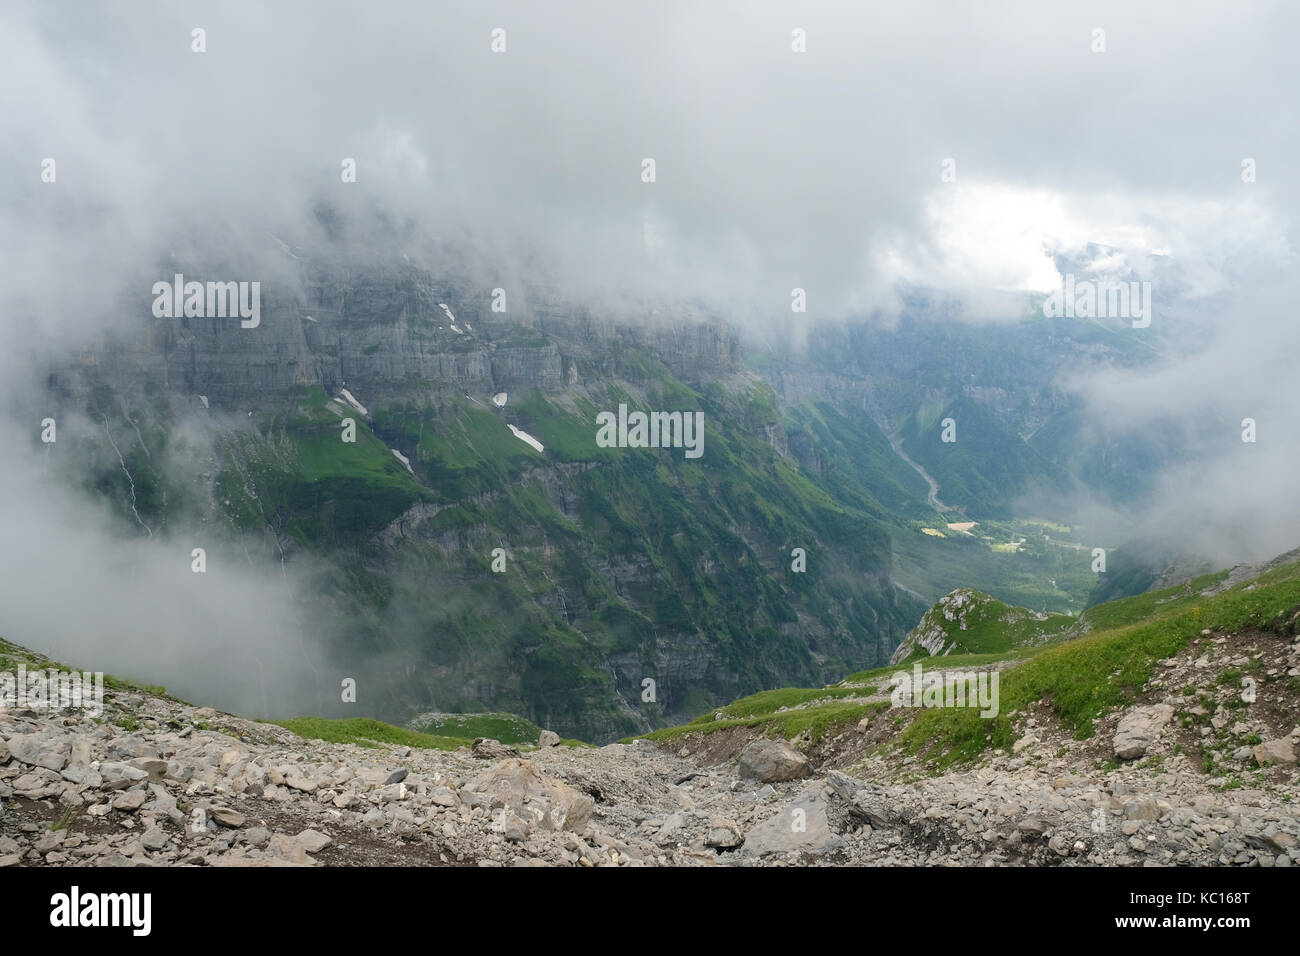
(28, 748)
(852, 804)
(521, 786)
(130, 801)
(156, 769)
(118, 776)
(723, 835)
(485, 748)
(313, 841)
(227, 817)
(1141, 810)
(801, 827)
(299, 781)
(288, 849)
(513, 827)
(443, 797)
(52, 761)
(1139, 728)
(672, 829)
(154, 838)
(1028, 740)
(772, 761)
(1277, 751)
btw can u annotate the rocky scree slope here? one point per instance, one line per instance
(1175, 768)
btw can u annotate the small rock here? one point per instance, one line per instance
(1028, 740)
(227, 817)
(288, 849)
(1141, 810)
(130, 801)
(313, 841)
(723, 836)
(156, 769)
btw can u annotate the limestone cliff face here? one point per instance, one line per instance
(934, 634)
(622, 564)
(390, 335)
(966, 621)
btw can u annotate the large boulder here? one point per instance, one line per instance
(852, 804)
(485, 748)
(1277, 751)
(34, 750)
(520, 786)
(1139, 728)
(801, 827)
(771, 761)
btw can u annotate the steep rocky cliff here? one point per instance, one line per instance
(595, 590)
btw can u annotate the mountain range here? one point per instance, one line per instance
(473, 547)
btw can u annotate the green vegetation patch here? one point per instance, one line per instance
(365, 732)
(506, 728)
(1087, 677)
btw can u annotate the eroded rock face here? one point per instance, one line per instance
(939, 632)
(1139, 728)
(772, 761)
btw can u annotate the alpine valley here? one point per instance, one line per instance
(474, 547)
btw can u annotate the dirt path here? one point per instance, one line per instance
(933, 497)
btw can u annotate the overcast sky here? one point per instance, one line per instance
(774, 169)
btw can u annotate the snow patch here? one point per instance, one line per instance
(403, 459)
(499, 399)
(283, 245)
(204, 400)
(525, 437)
(347, 397)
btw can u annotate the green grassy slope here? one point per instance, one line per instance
(1101, 663)
(621, 564)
